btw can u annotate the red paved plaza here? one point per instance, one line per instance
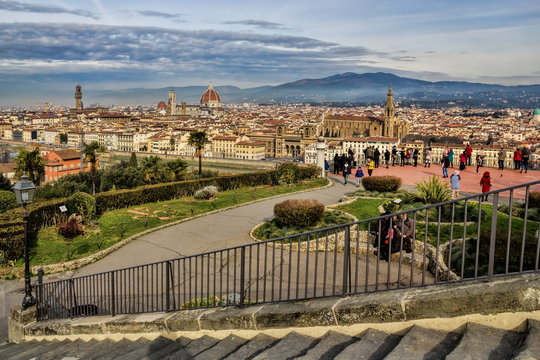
(469, 179)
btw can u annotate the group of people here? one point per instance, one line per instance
(521, 160)
(345, 164)
(396, 234)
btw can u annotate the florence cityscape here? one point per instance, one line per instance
(270, 180)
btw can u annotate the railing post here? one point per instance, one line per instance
(39, 294)
(346, 259)
(242, 275)
(168, 287)
(113, 294)
(493, 238)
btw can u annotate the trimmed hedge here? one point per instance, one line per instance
(381, 183)
(299, 212)
(47, 213)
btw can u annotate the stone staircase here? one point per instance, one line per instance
(468, 341)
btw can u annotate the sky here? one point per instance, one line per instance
(47, 46)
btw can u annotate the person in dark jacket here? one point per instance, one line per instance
(336, 164)
(415, 157)
(524, 162)
(387, 157)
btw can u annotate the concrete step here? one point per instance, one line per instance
(253, 347)
(32, 347)
(423, 343)
(179, 346)
(373, 345)
(289, 347)
(483, 342)
(148, 348)
(194, 347)
(223, 348)
(115, 349)
(61, 352)
(329, 346)
(530, 346)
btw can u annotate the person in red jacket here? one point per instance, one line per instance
(517, 159)
(485, 182)
(468, 152)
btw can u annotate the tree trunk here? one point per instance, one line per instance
(200, 163)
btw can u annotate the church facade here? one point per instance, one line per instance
(349, 126)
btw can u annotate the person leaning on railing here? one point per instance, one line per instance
(403, 225)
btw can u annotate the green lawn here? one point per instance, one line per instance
(363, 209)
(116, 225)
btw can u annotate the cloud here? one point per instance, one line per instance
(257, 23)
(43, 9)
(170, 16)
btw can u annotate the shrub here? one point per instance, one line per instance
(381, 183)
(534, 199)
(7, 201)
(433, 191)
(82, 204)
(72, 227)
(287, 173)
(299, 212)
(392, 205)
(206, 193)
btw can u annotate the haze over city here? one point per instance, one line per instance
(50, 45)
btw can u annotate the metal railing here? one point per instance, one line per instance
(464, 239)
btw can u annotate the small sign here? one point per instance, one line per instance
(63, 208)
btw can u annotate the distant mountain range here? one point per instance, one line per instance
(344, 88)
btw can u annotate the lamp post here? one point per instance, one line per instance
(24, 193)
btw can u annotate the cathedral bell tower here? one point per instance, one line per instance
(78, 97)
(389, 115)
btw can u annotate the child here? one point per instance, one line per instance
(485, 182)
(454, 183)
(359, 175)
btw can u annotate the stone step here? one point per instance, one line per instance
(223, 348)
(194, 347)
(178, 346)
(94, 348)
(530, 348)
(115, 349)
(483, 342)
(423, 343)
(373, 345)
(329, 346)
(148, 348)
(289, 347)
(253, 347)
(32, 347)
(60, 352)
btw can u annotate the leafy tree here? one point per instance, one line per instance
(30, 163)
(171, 143)
(178, 168)
(198, 139)
(7, 201)
(133, 163)
(5, 184)
(121, 177)
(90, 152)
(155, 171)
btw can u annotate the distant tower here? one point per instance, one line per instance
(389, 115)
(171, 106)
(78, 97)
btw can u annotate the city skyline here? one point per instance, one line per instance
(50, 46)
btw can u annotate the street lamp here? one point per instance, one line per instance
(24, 193)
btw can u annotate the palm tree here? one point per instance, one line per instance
(30, 163)
(198, 139)
(178, 168)
(90, 152)
(154, 171)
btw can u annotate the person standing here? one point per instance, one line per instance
(346, 172)
(468, 152)
(415, 157)
(376, 157)
(370, 166)
(451, 157)
(427, 157)
(517, 159)
(403, 153)
(501, 156)
(404, 228)
(462, 160)
(394, 155)
(455, 184)
(479, 161)
(524, 162)
(485, 182)
(387, 157)
(445, 164)
(359, 175)
(336, 164)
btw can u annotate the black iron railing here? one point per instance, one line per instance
(458, 240)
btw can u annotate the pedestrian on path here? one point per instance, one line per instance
(462, 161)
(359, 175)
(427, 157)
(479, 161)
(517, 159)
(415, 157)
(336, 164)
(451, 157)
(501, 156)
(445, 164)
(468, 152)
(455, 180)
(387, 157)
(370, 166)
(485, 182)
(346, 172)
(524, 162)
